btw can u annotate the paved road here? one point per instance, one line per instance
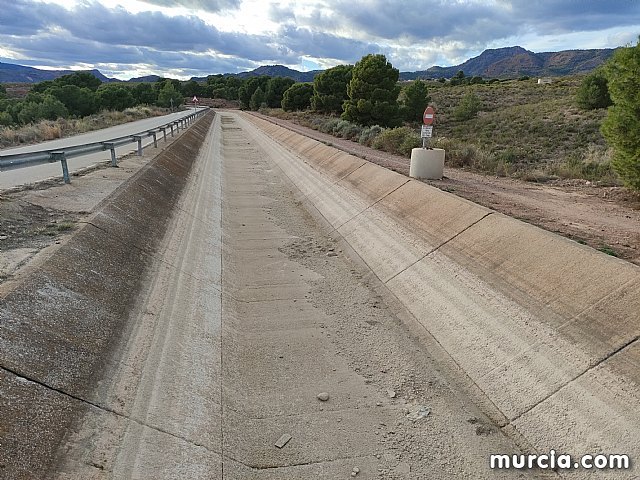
(251, 311)
(38, 173)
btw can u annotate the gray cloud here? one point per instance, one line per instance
(204, 5)
(304, 41)
(562, 16)
(339, 30)
(472, 22)
(21, 17)
(93, 33)
(281, 14)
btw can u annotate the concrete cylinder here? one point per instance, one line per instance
(427, 163)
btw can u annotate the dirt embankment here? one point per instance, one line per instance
(605, 218)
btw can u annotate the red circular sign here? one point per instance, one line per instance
(429, 115)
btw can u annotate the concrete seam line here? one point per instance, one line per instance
(440, 246)
(581, 374)
(104, 409)
(595, 304)
(573, 319)
(372, 205)
(319, 462)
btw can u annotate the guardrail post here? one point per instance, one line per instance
(155, 139)
(61, 157)
(138, 138)
(164, 132)
(112, 147)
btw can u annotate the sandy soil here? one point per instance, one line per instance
(606, 218)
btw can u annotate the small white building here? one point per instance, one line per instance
(545, 81)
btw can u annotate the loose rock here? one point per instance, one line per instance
(323, 396)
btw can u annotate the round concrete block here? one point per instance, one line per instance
(427, 163)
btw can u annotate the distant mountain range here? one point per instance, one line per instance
(508, 62)
(10, 73)
(513, 62)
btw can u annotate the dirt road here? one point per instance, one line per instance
(605, 218)
(259, 349)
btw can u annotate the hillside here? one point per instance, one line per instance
(512, 62)
(272, 71)
(10, 73)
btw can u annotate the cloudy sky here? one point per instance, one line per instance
(185, 38)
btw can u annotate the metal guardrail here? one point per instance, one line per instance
(21, 160)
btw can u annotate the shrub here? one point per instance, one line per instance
(399, 140)
(346, 129)
(328, 126)
(593, 92)
(368, 134)
(468, 107)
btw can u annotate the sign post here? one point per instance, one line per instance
(195, 103)
(427, 129)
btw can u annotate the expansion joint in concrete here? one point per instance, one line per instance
(105, 409)
(618, 350)
(435, 249)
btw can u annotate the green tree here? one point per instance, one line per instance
(373, 93)
(459, 79)
(112, 96)
(192, 88)
(80, 79)
(41, 107)
(593, 92)
(144, 94)
(468, 107)
(223, 86)
(297, 97)
(275, 89)
(42, 87)
(80, 102)
(621, 127)
(248, 88)
(169, 95)
(415, 99)
(330, 89)
(257, 99)
(3, 91)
